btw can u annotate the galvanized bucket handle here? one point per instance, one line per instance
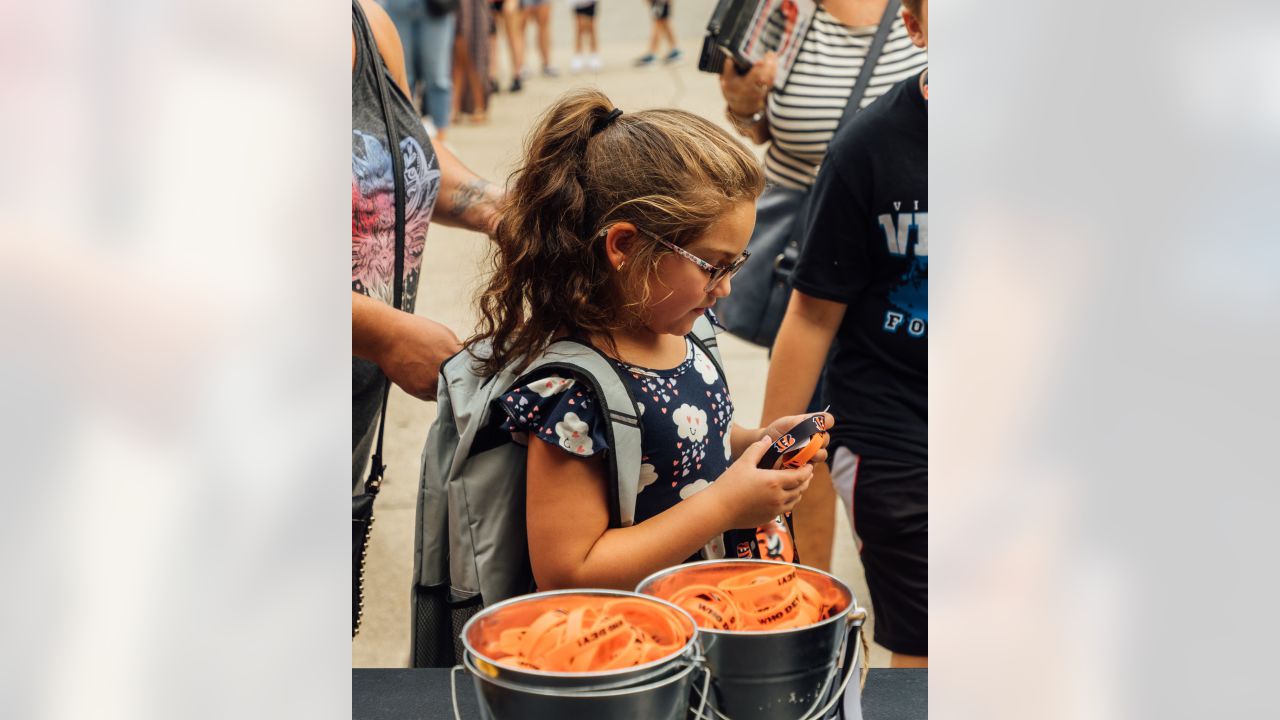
(453, 690)
(857, 619)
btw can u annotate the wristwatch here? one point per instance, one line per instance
(743, 122)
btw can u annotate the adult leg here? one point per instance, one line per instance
(437, 42)
(814, 520)
(460, 80)
(495, 21)
(542, 16)
(579, 41)
(655, 8)
(664, 26)
(408, 27)
(513, 19)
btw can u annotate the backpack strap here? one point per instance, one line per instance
(623, 430)
(704, 336)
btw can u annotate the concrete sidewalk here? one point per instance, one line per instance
(453, 270)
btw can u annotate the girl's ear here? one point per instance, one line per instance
(618, 242)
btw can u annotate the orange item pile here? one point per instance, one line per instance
(589, 634)
(773, 597)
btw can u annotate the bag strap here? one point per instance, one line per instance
(704, 336)
(376, 469)
(869, 64)
(790, 255)
(623, 430)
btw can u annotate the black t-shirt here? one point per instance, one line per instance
(867, 245)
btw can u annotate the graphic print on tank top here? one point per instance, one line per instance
(373, 216)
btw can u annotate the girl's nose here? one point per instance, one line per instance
(722, 288)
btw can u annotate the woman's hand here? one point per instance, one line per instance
(753, 497)
(746, 94)
(779, 427)
(413, 358)
(409, 349)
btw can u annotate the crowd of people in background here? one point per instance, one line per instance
(452, 49)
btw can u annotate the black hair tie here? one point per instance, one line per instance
(605, 121)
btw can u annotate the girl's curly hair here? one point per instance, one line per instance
(668, 172)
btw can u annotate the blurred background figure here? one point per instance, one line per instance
(471, 55)
(584, 17)
(539, 11)
(506, 13)
(661, 13)
(426, 29)
(795, 123)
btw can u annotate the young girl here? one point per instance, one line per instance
(624, 229)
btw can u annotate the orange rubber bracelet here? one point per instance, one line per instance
(588, 634)
(773, 597)
(806, 453)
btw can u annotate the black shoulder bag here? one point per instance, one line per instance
(362, 504)
(762, 288)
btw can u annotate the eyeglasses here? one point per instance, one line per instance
(715, 272)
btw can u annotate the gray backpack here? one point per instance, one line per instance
(471, 549)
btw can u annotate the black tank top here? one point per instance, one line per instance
(373, 202)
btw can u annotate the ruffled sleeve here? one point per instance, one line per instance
(558, 410)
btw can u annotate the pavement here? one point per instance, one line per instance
(453, 270)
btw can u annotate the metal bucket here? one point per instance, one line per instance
(658, 689)
(666, 698)
(772, 674)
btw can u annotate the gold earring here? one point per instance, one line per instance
(619, 267)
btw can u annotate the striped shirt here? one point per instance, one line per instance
(804, 113)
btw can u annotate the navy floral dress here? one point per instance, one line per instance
(686, 420)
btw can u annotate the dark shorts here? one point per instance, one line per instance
(495, 11)
(891, 522)
(661, 9)
(586, 10)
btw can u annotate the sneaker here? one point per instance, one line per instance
(516, 84)
(645, 60)
(550, 72)
(576, 64)
(594, 63)
(494, 88)
(673, 56)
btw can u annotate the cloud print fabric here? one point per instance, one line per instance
(685, 416)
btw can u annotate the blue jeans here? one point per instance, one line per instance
(428, 53)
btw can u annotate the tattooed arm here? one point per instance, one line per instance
(466, 200)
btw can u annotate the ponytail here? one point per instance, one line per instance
(587, 166)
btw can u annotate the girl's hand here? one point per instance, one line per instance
(746, 94)
(753, 497)
(779, 427)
